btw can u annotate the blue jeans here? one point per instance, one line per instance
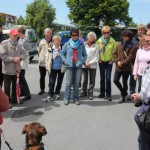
(105, 74)
(132, 84)
(144, 136)
(72, 77)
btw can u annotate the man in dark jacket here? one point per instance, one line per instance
(1, 75)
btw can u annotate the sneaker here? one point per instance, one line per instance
(57, 97)
(66, 102)
(90, 97)
(121, 100)
(101, 95)
(48, 99)
(77, 103)
(129, 98)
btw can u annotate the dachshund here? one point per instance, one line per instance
(34, 132)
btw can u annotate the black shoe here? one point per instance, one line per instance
(138, 104)
(82, 94)
(41, 92)
(109, 98)
(25, 98)
(121, 100)
(101, 95)
(129, 98)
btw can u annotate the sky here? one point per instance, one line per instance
(139, 10)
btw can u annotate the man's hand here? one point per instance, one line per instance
(16, 60)
(135, 77)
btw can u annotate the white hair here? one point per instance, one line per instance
(93, 35)
(47, 29)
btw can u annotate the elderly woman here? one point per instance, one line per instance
(74, 56)
(55, 72)
(90, 66)
(106, 46)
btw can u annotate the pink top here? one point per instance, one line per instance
(141, 61)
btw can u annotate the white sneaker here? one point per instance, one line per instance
(57, 97)
(48, 99)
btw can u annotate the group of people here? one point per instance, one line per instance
(81, 58)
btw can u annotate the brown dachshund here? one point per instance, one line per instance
(34, 132)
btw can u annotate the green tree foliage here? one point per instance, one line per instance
(2, 20)
(92, 12)
(132, 24)
(21, 21)
(40, 15)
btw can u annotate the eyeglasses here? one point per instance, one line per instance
(105, 32)
(75, 35)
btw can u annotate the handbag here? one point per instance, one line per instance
(144, 119)
(63, 68)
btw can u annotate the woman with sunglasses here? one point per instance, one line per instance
(106, 46)
(73, 56)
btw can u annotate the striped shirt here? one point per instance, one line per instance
(25, 43)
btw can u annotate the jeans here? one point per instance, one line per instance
(140, 83)
(105, 74)
(73, 75)
(42, 77)
(144, 136)
(55, 74)
(132, 84)
(92, 74)
(124, 86)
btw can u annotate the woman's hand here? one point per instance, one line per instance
(135, 77)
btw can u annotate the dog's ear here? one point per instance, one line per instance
(25, 129)
(42, 130)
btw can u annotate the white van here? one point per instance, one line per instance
(31, 35)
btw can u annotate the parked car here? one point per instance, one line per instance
(32, 36)
(65, 36)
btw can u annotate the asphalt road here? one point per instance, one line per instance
(94, 125)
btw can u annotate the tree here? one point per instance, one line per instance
(94, 12)
(40, 15)
(21, 21)
(2, 20)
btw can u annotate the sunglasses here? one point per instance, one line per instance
(105, 32)
(75, 35)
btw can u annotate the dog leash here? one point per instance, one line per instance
(6, 142)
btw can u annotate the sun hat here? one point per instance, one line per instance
(13, 32)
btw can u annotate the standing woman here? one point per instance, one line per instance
(89, 69)
(124, 55)
(106, 46)
(73, 56)
(55, 73)
(24, 41)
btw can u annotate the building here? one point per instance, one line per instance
(10, 20)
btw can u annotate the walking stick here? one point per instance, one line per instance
(17, 85)
(6, 142)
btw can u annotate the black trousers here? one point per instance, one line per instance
(23, 84)
(55, 74)
(124, 86)
(92, 74)
(42, 71)
(1, 74)
(8, 80)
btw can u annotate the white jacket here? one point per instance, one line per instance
(92, 55)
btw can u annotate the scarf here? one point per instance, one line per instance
(74, 44)
(104, 43)
(127, 44)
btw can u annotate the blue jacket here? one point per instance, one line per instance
(67, 53)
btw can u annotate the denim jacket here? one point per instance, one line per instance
(67, 54)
